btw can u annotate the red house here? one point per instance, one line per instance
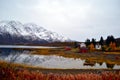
(82, 48)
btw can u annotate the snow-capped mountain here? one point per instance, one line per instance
(16, 32)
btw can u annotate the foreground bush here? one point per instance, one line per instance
(10, 72)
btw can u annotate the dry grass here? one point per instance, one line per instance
(11, 73)
(16, 65)
(111, 52)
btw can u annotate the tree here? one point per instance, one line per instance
(101, 42)
(75, 44)
(110, 39)
(93, 41)
(87, 42)
(92, 48)
(112, 45)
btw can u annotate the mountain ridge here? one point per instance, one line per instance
(14, 32)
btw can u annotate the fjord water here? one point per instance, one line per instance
(23, 46)
(48, 61)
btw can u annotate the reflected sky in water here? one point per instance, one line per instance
(58, 62)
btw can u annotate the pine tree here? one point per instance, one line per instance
(101, 42)
(87, 42)
(93, 41)
(110, 39)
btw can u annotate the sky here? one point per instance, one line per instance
(75, 19)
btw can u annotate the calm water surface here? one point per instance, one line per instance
(20, 46)
(58, 62)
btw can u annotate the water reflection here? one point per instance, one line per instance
(100, 63)
(110, 66)
(89, 63)
(92, 63)
(23, 57)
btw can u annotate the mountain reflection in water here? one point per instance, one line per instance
(52, 61)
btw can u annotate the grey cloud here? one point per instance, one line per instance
(76, 19)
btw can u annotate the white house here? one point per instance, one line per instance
(82, 45)
(98, 46)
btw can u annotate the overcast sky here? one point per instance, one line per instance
(76, 19)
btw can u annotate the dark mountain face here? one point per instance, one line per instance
(12, 32)
(8, 39)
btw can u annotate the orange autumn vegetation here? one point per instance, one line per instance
(112, 46)
(92, 48)
(13, 73)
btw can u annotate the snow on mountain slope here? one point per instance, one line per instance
(29, 31)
